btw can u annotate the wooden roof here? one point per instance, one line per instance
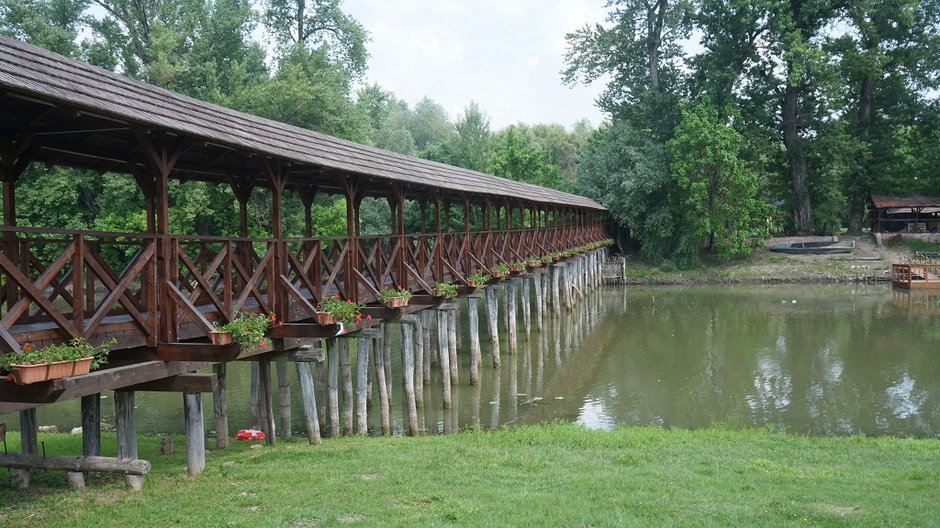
(80, 115)
(913, 201)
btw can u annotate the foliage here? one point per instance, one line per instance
(716, 194)
(398, 291)
(501, 268)
(446, 290)
(517, 157)
(470, 148)
(479, 277)
(343, 311)
(249, 329)
(72, 350)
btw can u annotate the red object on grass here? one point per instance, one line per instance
(249, 434)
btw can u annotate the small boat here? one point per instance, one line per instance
(815, 248)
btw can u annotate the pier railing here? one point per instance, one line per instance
(915, 275)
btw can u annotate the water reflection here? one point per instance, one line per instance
(816, 360)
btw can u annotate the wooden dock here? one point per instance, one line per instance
(915, 275)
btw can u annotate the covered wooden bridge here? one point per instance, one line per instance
(160, 301)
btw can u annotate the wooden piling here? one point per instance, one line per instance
(309, 401)
(511, 315)
(526, 307)
(333, 384)
(382, 383)
(444, 356)
(473, 322)
(126, 425)
(419, 359)
(283, 393)
(319, 370)
(556, 291)
(219, 406)
(408, 378)
(91, 425)
(362, 386)
(539, 300)
(387, 357)
(492, 324)
(195, 433)
(345, 372)
(428, 323)
(452, 344)
(254, 398)
(267, 400)
(29, 432)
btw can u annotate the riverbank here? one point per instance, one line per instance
(868, 263)
(551, 475)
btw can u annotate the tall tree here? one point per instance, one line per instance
(641, 50)
(471, 147)
(51, 24)
(517, 157)
(430, 126)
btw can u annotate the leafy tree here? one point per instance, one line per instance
(51, 24)
(430, 126)
(516, 157)
(471, 147)
(716, 194)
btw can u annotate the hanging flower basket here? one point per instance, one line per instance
(220, 337)
(325, 318)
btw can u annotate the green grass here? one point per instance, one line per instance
(553, 475)
(916, 244)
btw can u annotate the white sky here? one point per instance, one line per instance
(504, 54)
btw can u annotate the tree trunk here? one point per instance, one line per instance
(798, 170)
(861, 180)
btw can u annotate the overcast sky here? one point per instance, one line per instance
(504, 54)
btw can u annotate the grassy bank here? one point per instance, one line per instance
(553, 475)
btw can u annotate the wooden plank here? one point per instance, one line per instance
(193, 383)
(183, 302)
(77, 463)
(301, 330)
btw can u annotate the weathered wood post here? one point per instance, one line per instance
(267, 399)
(91, 425)
(556, 293)
(254, 399)
(428, 322)
(333, 346)
(539, 300)
(492, 324)
(473, 321)
(346, 375)
(219, 406)
(419, 359)
(442, 338)
(195, 433)
(126, 425)
(283, 393)
(29, 445)
(526, 307)
(408, 377)
(382, 382)
(512, 334)
(320, 371)
(362, 385)
(387, 357)
(308, 395)
(452, 343)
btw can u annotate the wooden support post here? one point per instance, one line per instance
(382, 383)
(308, 396)
(267, 400)
(254, 397)
(539, 300)
(333, 384)
(419, 359)
(91, 425)
(126, 425)
(195, 433)
(526, 307)
(442, 338)
(346, 375)
(512, 315)
(457, 324)
(320, 373)
(362, 385)
(408, 378)
(29, 445)
(387, 357)
(492, 324)
(452, 346)
(473, 320)
(428, 345)
(220, 407)
(556, 293)
(283, 392)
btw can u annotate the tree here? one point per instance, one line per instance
(516, 157)
(471, 147)
(716, 194)
(641, 51)
(318, 25)
(51, 24)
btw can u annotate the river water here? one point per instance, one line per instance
(811, 359)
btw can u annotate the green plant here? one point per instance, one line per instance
(518, 265)
(445, 289)
(343, 311)
(479, 277)
(500, 268)
(546, 259)
(389, 292)
(248, 329)
(75, 349)
(533, 261)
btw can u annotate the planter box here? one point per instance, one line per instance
(396, 302)
(325, 318)
(220, 338)
(26, 374)
(498, 274)
(516, 269)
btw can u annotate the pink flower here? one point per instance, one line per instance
(263, 343)
(369, 317)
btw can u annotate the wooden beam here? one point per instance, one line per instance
(196, 352)
(77, 463)
(192, 383)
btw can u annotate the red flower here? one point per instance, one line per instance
(369, 317)
(9, 378)
(280, 323)
(273, 318)
(263, 342)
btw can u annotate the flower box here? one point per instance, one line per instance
(396, 302)
(499, 274)
(219, 337)
(515, 269)
(325, 318)
(34, 373)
